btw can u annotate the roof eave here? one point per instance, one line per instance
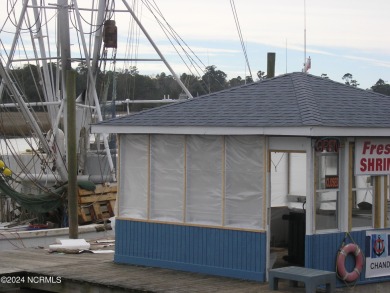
(307, 131)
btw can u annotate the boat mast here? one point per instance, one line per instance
(87, 114)
(98, 37)
(6, 79)
(14, 42)
(69, 94)
(47, 82)
(64, 44)
(49, 93)
(24, 106)
(93, 88)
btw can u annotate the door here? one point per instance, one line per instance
(287, 217)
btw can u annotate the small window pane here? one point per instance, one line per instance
(327, 194)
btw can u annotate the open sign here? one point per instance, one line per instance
(330, 145)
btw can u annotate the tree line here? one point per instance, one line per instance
(380, 86)
(129, 84)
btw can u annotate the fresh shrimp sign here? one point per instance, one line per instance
(372, 157)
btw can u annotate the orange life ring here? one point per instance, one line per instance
(341, 270)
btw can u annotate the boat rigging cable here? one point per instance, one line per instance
(20, 82)
(235, 15)
(131, 52)
(168, 30)
(33, 30)
(34, 20)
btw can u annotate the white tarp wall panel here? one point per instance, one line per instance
(134, 157)
(167, 178)
(244, 181)
(204, 179)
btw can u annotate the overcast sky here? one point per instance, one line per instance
(342, 36)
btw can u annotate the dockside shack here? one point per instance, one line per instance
(213, 184)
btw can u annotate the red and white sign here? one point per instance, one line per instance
(372, 157)
(377, 254)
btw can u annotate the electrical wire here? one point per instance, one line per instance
(131, 52)
(109, 14)
(177, 37)
(235, 15)
(11, 10)
(171, 33)
(18, 131)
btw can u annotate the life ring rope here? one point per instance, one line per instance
(344, 251)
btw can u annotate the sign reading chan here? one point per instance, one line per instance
(372, 157)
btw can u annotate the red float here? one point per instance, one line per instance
(341, 270)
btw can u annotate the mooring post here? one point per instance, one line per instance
(72, 153)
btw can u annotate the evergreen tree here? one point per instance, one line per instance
(381, 87)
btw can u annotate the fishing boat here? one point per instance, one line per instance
(66, 54)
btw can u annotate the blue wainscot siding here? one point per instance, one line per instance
(321, 253)
(223, 252)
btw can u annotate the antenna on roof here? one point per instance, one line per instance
(304, 31)
(286, 55)
(306, 62)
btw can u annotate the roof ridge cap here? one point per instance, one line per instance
(307, 104)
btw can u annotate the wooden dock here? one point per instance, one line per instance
(88, 272)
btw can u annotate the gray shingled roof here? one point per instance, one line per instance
(290, 100)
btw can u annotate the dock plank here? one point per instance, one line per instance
(99, 270)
